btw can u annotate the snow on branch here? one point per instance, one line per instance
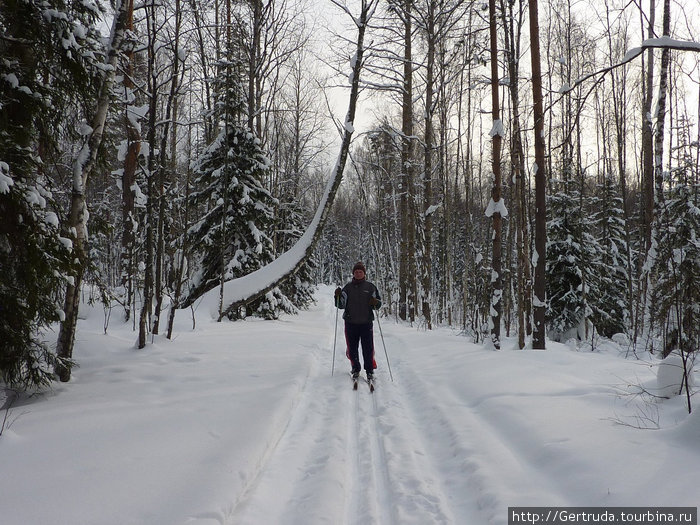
(663, 42)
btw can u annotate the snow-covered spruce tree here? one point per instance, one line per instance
(299, 290)
(608, 279)
(235, 211)
(47, 50)
(676, 295)
(34, 261)
(566, 259)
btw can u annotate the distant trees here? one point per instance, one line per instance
(583, 153)
(193, 148)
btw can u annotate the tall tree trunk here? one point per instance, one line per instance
(129, 177)
(539, 307)
(659, 198)
(253, 68)
(647, 133)
(661, 113)
(82, 169)
(407, 274)
(151, 177)
(446, 235)
(647, 155)
(497, 138)
(427, 237)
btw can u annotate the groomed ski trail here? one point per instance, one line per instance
(359, 458)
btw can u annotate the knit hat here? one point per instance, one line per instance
(359, 266)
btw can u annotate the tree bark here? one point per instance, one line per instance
(496, 140)
(133, 136)
(407, 265)
(427, 237)
(661, 113)
(539, 307)
(82, 169)
(647, 133)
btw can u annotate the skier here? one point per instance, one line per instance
(359, 298)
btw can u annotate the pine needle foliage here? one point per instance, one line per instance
(677, 290)
(48, 51)
(235, 210)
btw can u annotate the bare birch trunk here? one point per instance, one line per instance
(658, 166)
(82, 168)
(661, 113)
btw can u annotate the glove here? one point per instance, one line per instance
(338, 291)
(373, 302)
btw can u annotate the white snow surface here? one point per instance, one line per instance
(243, 423)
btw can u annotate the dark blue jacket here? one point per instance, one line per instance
(355, 298)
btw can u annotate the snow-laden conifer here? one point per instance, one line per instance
(676, 295)
(47, 69)
(566, 253)
(230, 238)
(608, 278)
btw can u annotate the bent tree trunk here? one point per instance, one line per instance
(243, 290)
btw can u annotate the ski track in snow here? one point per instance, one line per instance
(356, 457)
(244, 424)
(465, 476)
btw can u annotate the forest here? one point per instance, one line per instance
(509, 168)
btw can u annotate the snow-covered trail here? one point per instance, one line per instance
(242, 424)
(459, 436)
(390, 457)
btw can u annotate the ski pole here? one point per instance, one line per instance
(384, 345)
(335, 336)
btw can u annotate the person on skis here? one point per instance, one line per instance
(359, 298)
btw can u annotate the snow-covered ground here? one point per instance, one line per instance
(243, 423)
